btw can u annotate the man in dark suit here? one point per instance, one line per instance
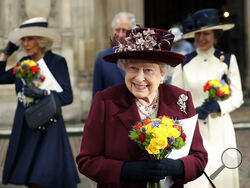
(109, 74)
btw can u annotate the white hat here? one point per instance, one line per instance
(177, 33)
(33, 27)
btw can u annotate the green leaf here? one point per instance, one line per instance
(179, 143)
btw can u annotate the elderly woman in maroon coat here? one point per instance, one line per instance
(108, 156)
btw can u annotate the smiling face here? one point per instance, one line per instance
(204, 40)
(32, 48)
(143, 79)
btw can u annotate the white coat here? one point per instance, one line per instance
(217, 130)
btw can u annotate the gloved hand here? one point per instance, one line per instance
(34, 92)
(10, 48)
(152, 170)
(141, 171)
(202, 113)
(206, 108)
(211, 106)
(170, 167)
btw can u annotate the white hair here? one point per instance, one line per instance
(166, 69)
(128, 15)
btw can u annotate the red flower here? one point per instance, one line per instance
(138, 126)
(146, 121)
(34, 69)
(42, 78)
(168, 145)
(142, 137)
(179, 128)
(206, 87)
(14, 70)
(183, 136)
(219, 92)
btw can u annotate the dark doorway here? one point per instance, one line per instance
(165, 13)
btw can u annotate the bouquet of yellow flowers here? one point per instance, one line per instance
(29, 72)
(217, 90)
(158, 137)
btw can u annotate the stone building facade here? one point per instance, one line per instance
(85, 29)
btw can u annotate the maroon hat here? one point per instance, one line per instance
(147, 44)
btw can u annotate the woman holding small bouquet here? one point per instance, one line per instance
(207, 68)
(37, 158)
(108, 155)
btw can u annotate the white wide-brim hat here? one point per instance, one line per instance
(34, 27)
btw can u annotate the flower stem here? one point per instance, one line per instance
(29, 100)
(154, 184)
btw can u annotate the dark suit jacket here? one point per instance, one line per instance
(106, 145)
(106, 74)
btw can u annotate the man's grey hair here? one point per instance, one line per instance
(127, 15)
(166, 69)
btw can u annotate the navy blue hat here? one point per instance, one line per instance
(203, 20)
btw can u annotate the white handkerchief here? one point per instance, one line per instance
(50, 82)
(188, 126)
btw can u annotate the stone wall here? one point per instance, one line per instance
(84, 27)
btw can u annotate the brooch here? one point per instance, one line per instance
(182, 102)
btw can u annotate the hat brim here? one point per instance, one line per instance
(19, 33)
(171, 58)
(223, 27)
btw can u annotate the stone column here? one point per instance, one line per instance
(247, 18)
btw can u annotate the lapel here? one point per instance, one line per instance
(47, 58)
(127, 114)
(168, 97)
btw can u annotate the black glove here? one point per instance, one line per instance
(170, 167)
(206, 108)
(10, 48)
(34, 92)
(141, 171)
(212, 106)
(202, 113)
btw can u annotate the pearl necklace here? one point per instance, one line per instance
(148, 111)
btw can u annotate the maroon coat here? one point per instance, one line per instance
(106, 145)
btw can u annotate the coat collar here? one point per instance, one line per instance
(128, 113)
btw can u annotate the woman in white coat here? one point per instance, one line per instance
(207, 63)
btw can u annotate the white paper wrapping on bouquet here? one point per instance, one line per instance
(188, 126)
(50, 82)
